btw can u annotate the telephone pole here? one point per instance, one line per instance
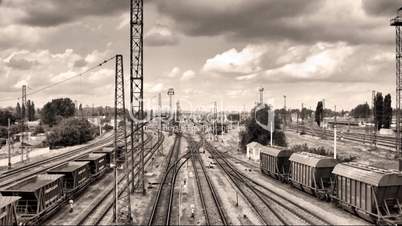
(122, 204)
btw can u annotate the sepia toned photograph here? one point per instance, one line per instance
(200, 112)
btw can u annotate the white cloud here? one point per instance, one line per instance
(160, 35)
(174, 72)
(187, 75)
(323, 62)
(241, 62)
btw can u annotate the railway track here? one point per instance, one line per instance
(212, 206)
(387, 142)
(162, 209)
(9, 177)
(104, 202)
(271, 207)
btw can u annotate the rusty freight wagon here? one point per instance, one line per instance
(97, 163)
(8, 210)
(77, 175)
(275, 162)
(372, 193)
(41, 195)
(312, 173)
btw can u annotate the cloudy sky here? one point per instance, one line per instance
(207, 50)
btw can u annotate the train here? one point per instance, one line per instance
(32, 200)
(371, 193)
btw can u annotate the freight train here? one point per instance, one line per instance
(368, 192)
(32, 200)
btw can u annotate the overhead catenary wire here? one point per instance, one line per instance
(62, 81)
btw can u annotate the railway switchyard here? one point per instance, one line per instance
(83, 141)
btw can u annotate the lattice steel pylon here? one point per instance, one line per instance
(137, 83)
(397, 23)
(122, 202)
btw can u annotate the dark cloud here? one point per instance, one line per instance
(80, 63)
(47, 13)
(21, 64)
(266, 20)
(381, 7)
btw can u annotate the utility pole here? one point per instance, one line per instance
(284, 112)
(375, 125)
(122, 205)
(261, 90)
(23, 118)
(170, 93)
(9, 144)
(137, 83)
(302, 117)
(335, 135)
(397, 23)
(215, 121)
(323, 118)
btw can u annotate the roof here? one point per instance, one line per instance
(254, 144)
(105, 150)
(68, 167)
(6, 200)
(276, 151)
(368, 174)
(91, 157)
(34, 183)
(313, 160)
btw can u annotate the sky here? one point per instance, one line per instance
(207, 50)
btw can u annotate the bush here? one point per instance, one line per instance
(322, 151)
(70, 132)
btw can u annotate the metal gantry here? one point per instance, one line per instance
(397, 22)
(122, 202)
(137, 82)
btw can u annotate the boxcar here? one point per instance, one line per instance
(77, 175)
(312, 173)
(40, 196)
(8, 210)
(97, 163)
(372, 193)
(109, 151)
(275, 162)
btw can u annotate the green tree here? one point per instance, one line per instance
(56, 110)
(18, 111)
(387, 120)
(361, 111)
(319, 113)
(255, 132)
(71, 131)
(379, 110)
(4, 116)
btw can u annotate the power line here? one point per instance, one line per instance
(61, 82)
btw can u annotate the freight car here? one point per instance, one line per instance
(97, 163)
(275, 162)
(372, 193)
(77, 176)
(8, 210)
(41, 195)
(109, 151)
(312, 173)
